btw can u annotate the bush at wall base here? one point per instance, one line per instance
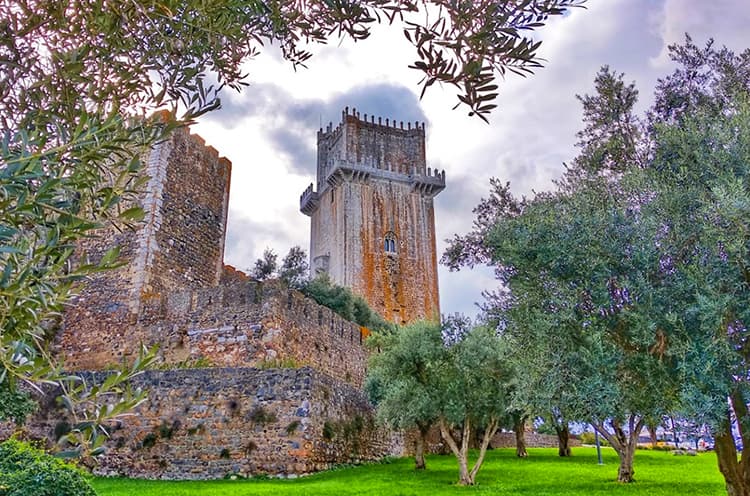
(27, 471)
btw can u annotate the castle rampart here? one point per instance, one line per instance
(262, 379)
(245, 324)
(213, 422)
(178, 246)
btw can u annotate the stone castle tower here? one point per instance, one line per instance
(178, 246)
(372, 215)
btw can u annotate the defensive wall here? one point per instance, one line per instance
(214, 422)
(240, 323)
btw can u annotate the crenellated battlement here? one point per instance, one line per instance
(359, 149)
(378, 143)
(309, 201)
(210, 154)
(383, 124)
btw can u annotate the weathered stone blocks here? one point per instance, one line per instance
(209, 423)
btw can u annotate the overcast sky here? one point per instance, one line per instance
(269, 130)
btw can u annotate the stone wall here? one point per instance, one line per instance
(240, 324)
(434, 441)
(208, 423)
(533, 440)
(179, 245)
(183, 237)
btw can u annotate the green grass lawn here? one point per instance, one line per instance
(657, 473)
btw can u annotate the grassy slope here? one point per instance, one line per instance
(543, 473)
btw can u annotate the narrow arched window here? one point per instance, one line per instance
(389, 243)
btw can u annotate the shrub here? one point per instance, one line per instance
(293, 425)
(589, 438)
(345, 303)
(261, 416)
(329, 431)
(279, 363)
(15, 405)
(150, 440)
(27, 471)
(165, 430)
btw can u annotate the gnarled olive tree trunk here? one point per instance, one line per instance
(624, 443)
(562, 430)
(466, 476)
(519, 428)
(419, 462)
(736, 472)
(563, 439)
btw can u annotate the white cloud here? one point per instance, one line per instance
(726, 21)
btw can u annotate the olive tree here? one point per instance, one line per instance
(636, 267)
(473, 383)
(401, 380)
(419, 378)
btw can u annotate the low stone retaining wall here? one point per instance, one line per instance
(435, 444)
(209, 423)
(533, 440)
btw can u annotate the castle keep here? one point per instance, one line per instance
(372, 215)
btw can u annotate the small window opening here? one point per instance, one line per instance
(389, 243)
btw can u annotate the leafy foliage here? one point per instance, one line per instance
(95, 405)
(26, 471)
(401, 379)
(469, 43)
(294, 268)
(345, 303)
(266, 266)
(15, 405)
(417, 379)
(630, 278)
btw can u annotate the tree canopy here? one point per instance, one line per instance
(422, 376)
(625, 289)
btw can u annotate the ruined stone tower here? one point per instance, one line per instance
(372, 215)
(178, 246)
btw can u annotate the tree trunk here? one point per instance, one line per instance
(464, 477)
(625, 471)
(652, 434)
(563, 440)
(461, 453)
(726, 454)
(736, 473)
(624, 444)
(467, 477)
(519, 427)
(419, 463)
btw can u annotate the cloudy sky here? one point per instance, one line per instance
(268, 131)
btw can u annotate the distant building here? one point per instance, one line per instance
(372, 215)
